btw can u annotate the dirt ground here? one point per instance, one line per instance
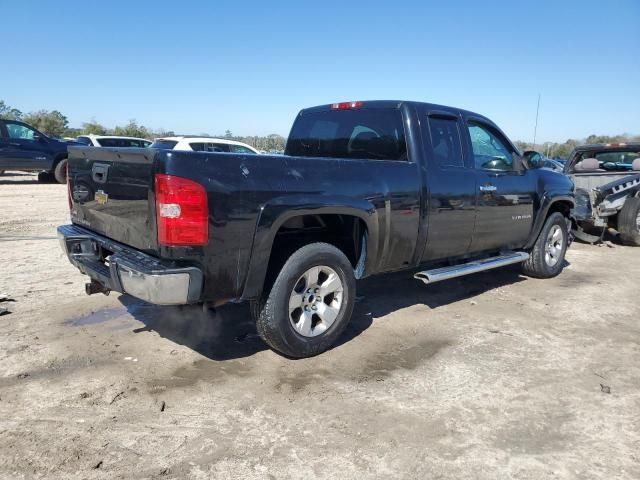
(485, 377)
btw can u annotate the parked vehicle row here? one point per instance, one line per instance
(23, 148)
(364, 188)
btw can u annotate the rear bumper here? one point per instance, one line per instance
(123, 269)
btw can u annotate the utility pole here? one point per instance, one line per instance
(535, 129)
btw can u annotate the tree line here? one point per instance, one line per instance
(54, 123)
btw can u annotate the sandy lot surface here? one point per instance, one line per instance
(485, 377)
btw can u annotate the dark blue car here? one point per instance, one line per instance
(25, 149)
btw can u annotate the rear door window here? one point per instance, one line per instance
(366, 133)
(240, 149)
(209, 147)
(445, 139)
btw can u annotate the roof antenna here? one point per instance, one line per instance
(535, 129)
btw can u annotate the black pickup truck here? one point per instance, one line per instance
(363, 188)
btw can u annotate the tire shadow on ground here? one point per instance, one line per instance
(230, 332)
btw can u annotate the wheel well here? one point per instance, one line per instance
(346, 232)
(561, 206)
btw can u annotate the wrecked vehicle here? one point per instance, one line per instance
(364, 188)
(607, 180)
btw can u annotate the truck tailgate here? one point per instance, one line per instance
(112, 193)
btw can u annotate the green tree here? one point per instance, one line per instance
(9, 113)
(228, 134)
(50, 122)
(132, 129)
(93, 128)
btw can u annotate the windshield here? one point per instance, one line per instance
(376, 134)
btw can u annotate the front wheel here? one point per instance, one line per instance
(60, 171)
(310, 303)
(629, 222)
(546, 258)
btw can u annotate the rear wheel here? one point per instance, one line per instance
(629, 222)
(60, 171)
(1, 172)
(546, 258)
(310, 303)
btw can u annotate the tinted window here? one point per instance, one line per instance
(445, 138)
(490, 151)
(209, 147)
(122, 142)
(84, 140)
(164, 144)
(376, 134)
(19, 132)
(240, 149)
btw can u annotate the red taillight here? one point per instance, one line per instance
(181, 211)
(346, 105)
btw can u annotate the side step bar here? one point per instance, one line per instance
(445, 273)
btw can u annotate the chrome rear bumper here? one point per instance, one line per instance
(123, 269)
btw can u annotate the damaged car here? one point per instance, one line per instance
(607, 182)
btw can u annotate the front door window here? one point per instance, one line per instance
(18, 131)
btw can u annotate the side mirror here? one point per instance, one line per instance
(534, 159)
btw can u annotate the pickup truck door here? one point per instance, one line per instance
(26, 148)
(451, 181)
(505, 192)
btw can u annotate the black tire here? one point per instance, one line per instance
(629, 222)
(1, 172)
(274, 321)
(60, 171)
(539, 265)
(45, 177)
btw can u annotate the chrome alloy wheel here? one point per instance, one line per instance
(315, 301)
(553, 246)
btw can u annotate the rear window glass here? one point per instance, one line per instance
(620, 161)
(122, 142)
(164, 144)
(209, 147)
(375, 134)
(84, 140)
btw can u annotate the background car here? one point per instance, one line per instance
(25, 149)
(113, 141)
(203, 144)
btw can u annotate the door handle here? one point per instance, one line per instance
(488, 188)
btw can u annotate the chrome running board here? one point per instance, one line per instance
(445, 273)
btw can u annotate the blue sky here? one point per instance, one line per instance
(197, 67)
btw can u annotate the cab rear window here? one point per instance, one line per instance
(373, 134)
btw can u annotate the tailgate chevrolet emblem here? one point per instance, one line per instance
(101, 197)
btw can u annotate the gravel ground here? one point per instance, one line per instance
(490, 376)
